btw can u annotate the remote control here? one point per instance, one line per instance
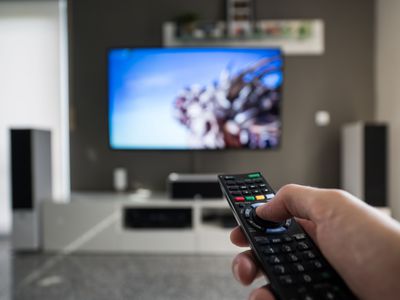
(295, 267)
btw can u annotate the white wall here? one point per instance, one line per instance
(388, 88)
(31, 92)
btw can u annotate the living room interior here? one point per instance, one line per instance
(118, 197)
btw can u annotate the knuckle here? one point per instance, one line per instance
(288, 188)
(328, 202)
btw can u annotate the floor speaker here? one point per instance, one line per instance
(31, 182)
(364, 162)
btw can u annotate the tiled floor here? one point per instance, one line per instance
(86, 277)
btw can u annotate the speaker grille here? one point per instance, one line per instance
(375, 162)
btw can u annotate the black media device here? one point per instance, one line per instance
(159, 218)
(193, 186)
(295, 267)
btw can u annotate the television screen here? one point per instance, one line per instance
(194, 98)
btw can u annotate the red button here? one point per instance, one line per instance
(239, 199)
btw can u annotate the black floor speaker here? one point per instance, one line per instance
(31, 183)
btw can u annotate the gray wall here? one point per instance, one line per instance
(340, 81)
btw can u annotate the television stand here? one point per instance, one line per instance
(94, 222)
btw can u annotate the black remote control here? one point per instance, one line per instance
(295, 267)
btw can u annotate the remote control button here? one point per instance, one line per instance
(266, 191)
(274, 259)
(306, 278)
(308, 255)
(248, 181)
(288, 222)
(255, 205)
(270, 196)
(299, 267)
(270, 250)
(287, 239)
(260, 197)
(239, 182)
(299, 236)
(243, 187)
(256, 221)
(252, 230)
(262, 240)
(233, 188)
(229, 177)
(275, 230)
(325, 292)
(239, 199)
(255, 192)
(241, 205)
(303, 246)
(236, 193)
(315, 265)
(286, 248)
(276, 240)
(263, 223)
(279, 269)
(259, 180)
(293, 257)
(286, 279)
(308, 297)
(230, 183)
(246, 193)
(252, 186)
(262, 185)
(254, 175)
(247, 212)
(329, 295)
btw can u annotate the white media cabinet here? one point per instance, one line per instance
(93, 222)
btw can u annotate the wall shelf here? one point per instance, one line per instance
(311, 44)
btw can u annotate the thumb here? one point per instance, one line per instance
(291, 201)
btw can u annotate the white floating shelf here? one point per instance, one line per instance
(314, 44)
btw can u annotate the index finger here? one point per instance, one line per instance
(295, 201)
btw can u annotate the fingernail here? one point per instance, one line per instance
(236, 271)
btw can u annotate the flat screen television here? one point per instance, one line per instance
(194, 98)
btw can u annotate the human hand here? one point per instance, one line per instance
(358, 241)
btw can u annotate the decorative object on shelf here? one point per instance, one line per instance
(294, 37)
(282, 29)
(240, 17)
(186, 24)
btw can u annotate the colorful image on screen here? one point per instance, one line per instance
(186, 98)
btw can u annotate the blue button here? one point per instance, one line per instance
(275, 230)
(255, 205)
